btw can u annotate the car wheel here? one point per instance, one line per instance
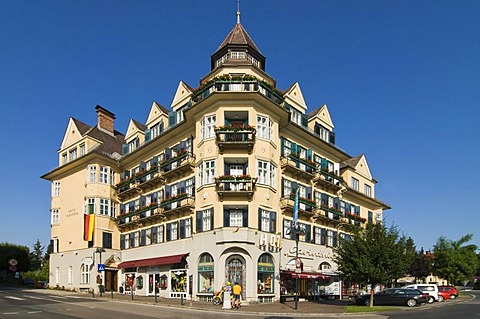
(440, 298)
(411, 302)
(453, 297)
(430, 299)
(366, 302)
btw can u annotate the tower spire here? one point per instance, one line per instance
(238, 11)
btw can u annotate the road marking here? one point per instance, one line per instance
(32, 297)
(10, 313)
(34, 312)
(15, 298)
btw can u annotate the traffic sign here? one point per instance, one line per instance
(12, 262)
(101, 267)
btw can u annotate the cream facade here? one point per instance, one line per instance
(203, 193)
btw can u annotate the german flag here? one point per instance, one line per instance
(88, 223)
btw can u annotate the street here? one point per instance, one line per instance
(17, 303)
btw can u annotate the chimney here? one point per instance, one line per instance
(105, 119)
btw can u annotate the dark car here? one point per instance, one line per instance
(395, 297)
(448, 292)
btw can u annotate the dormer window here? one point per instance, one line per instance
(237, 55)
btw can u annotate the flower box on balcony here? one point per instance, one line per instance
(173, 199)
(234, 128)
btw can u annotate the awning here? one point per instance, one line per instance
(166, 260)
(306, 275)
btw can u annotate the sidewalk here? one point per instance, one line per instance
(304, 307)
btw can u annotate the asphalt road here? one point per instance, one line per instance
(19, 304)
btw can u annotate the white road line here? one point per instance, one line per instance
(34, 312)
(15, 298)
(32, 297)
(11, 313)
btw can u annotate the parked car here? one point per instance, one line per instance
(430, 289)
(448, 292)
(28, 282)
(395, 297)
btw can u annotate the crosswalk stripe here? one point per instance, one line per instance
(15, 298)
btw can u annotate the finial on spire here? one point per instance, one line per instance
(238, 11)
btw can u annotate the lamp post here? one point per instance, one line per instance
(99, 251)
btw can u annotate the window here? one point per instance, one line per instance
(205, 273)
(132, 146)
(92, 173)
(265, 274)
(296, 116)
(208, 126)
(355, 184)
(55, 216)
(56, 189)
(266, 173)
(320, 236)
(84, 274)
(189, 187)
(186, 228)
(55, 245)
(368, 190)
(264, 127)
(267, 220)
(104, 174)
(287, 231)
(82, 149)
(370, 217)
(90, 206)
(73, 154)
(64, 158)
(207, 172)
(172, 231)
(57, 275)
(205, 220)
(107, 240)
(235, 218)
(70, 274)
(157, 234)
(237, 55)
(104, 207)
(156, 130)
(331, 238)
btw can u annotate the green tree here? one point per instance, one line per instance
(11, 251)
(36, 256)
(454, 260)
(375, 255)
(422, 265)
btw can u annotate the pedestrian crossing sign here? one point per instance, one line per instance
(101, 267)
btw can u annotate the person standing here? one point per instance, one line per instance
(236, 290)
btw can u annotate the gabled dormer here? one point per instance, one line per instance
(182, 96)
(294, 97)
(321, 123)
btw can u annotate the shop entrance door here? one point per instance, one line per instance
(235, 272)
(153, 284)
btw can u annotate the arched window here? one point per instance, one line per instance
(84, 274)
(325, 266)
(205, 273)
(265, 274)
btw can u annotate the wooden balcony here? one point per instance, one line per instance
(182, 203)
(296, 168)
(151, 179)
(178, 167)
(230, 186)
(305, 206)
(328, 181)
(237, 139)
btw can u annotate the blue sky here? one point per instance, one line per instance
(401, 80)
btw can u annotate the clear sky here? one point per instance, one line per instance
(401, 80)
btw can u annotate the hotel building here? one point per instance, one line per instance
(203, 192)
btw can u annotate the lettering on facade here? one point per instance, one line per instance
(310, 253)
(72, 212)
(269, 242)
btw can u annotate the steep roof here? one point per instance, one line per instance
(351, 162)
(238, 36)
(140, 126)
(82, 127)
(110, 144)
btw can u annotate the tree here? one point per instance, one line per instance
(422, 265)
(19, 253)
(36, 256)
(375, 255)
(454, 260)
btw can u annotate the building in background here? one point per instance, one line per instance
(203, 192)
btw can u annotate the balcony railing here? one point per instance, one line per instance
(328, 180)
(183, 163)
(235, 137)
(142, 213)
(180, 202)
(298, 167)
(235, 186)
(237, 84)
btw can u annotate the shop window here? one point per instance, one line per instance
(265, 274)
(205, 273)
